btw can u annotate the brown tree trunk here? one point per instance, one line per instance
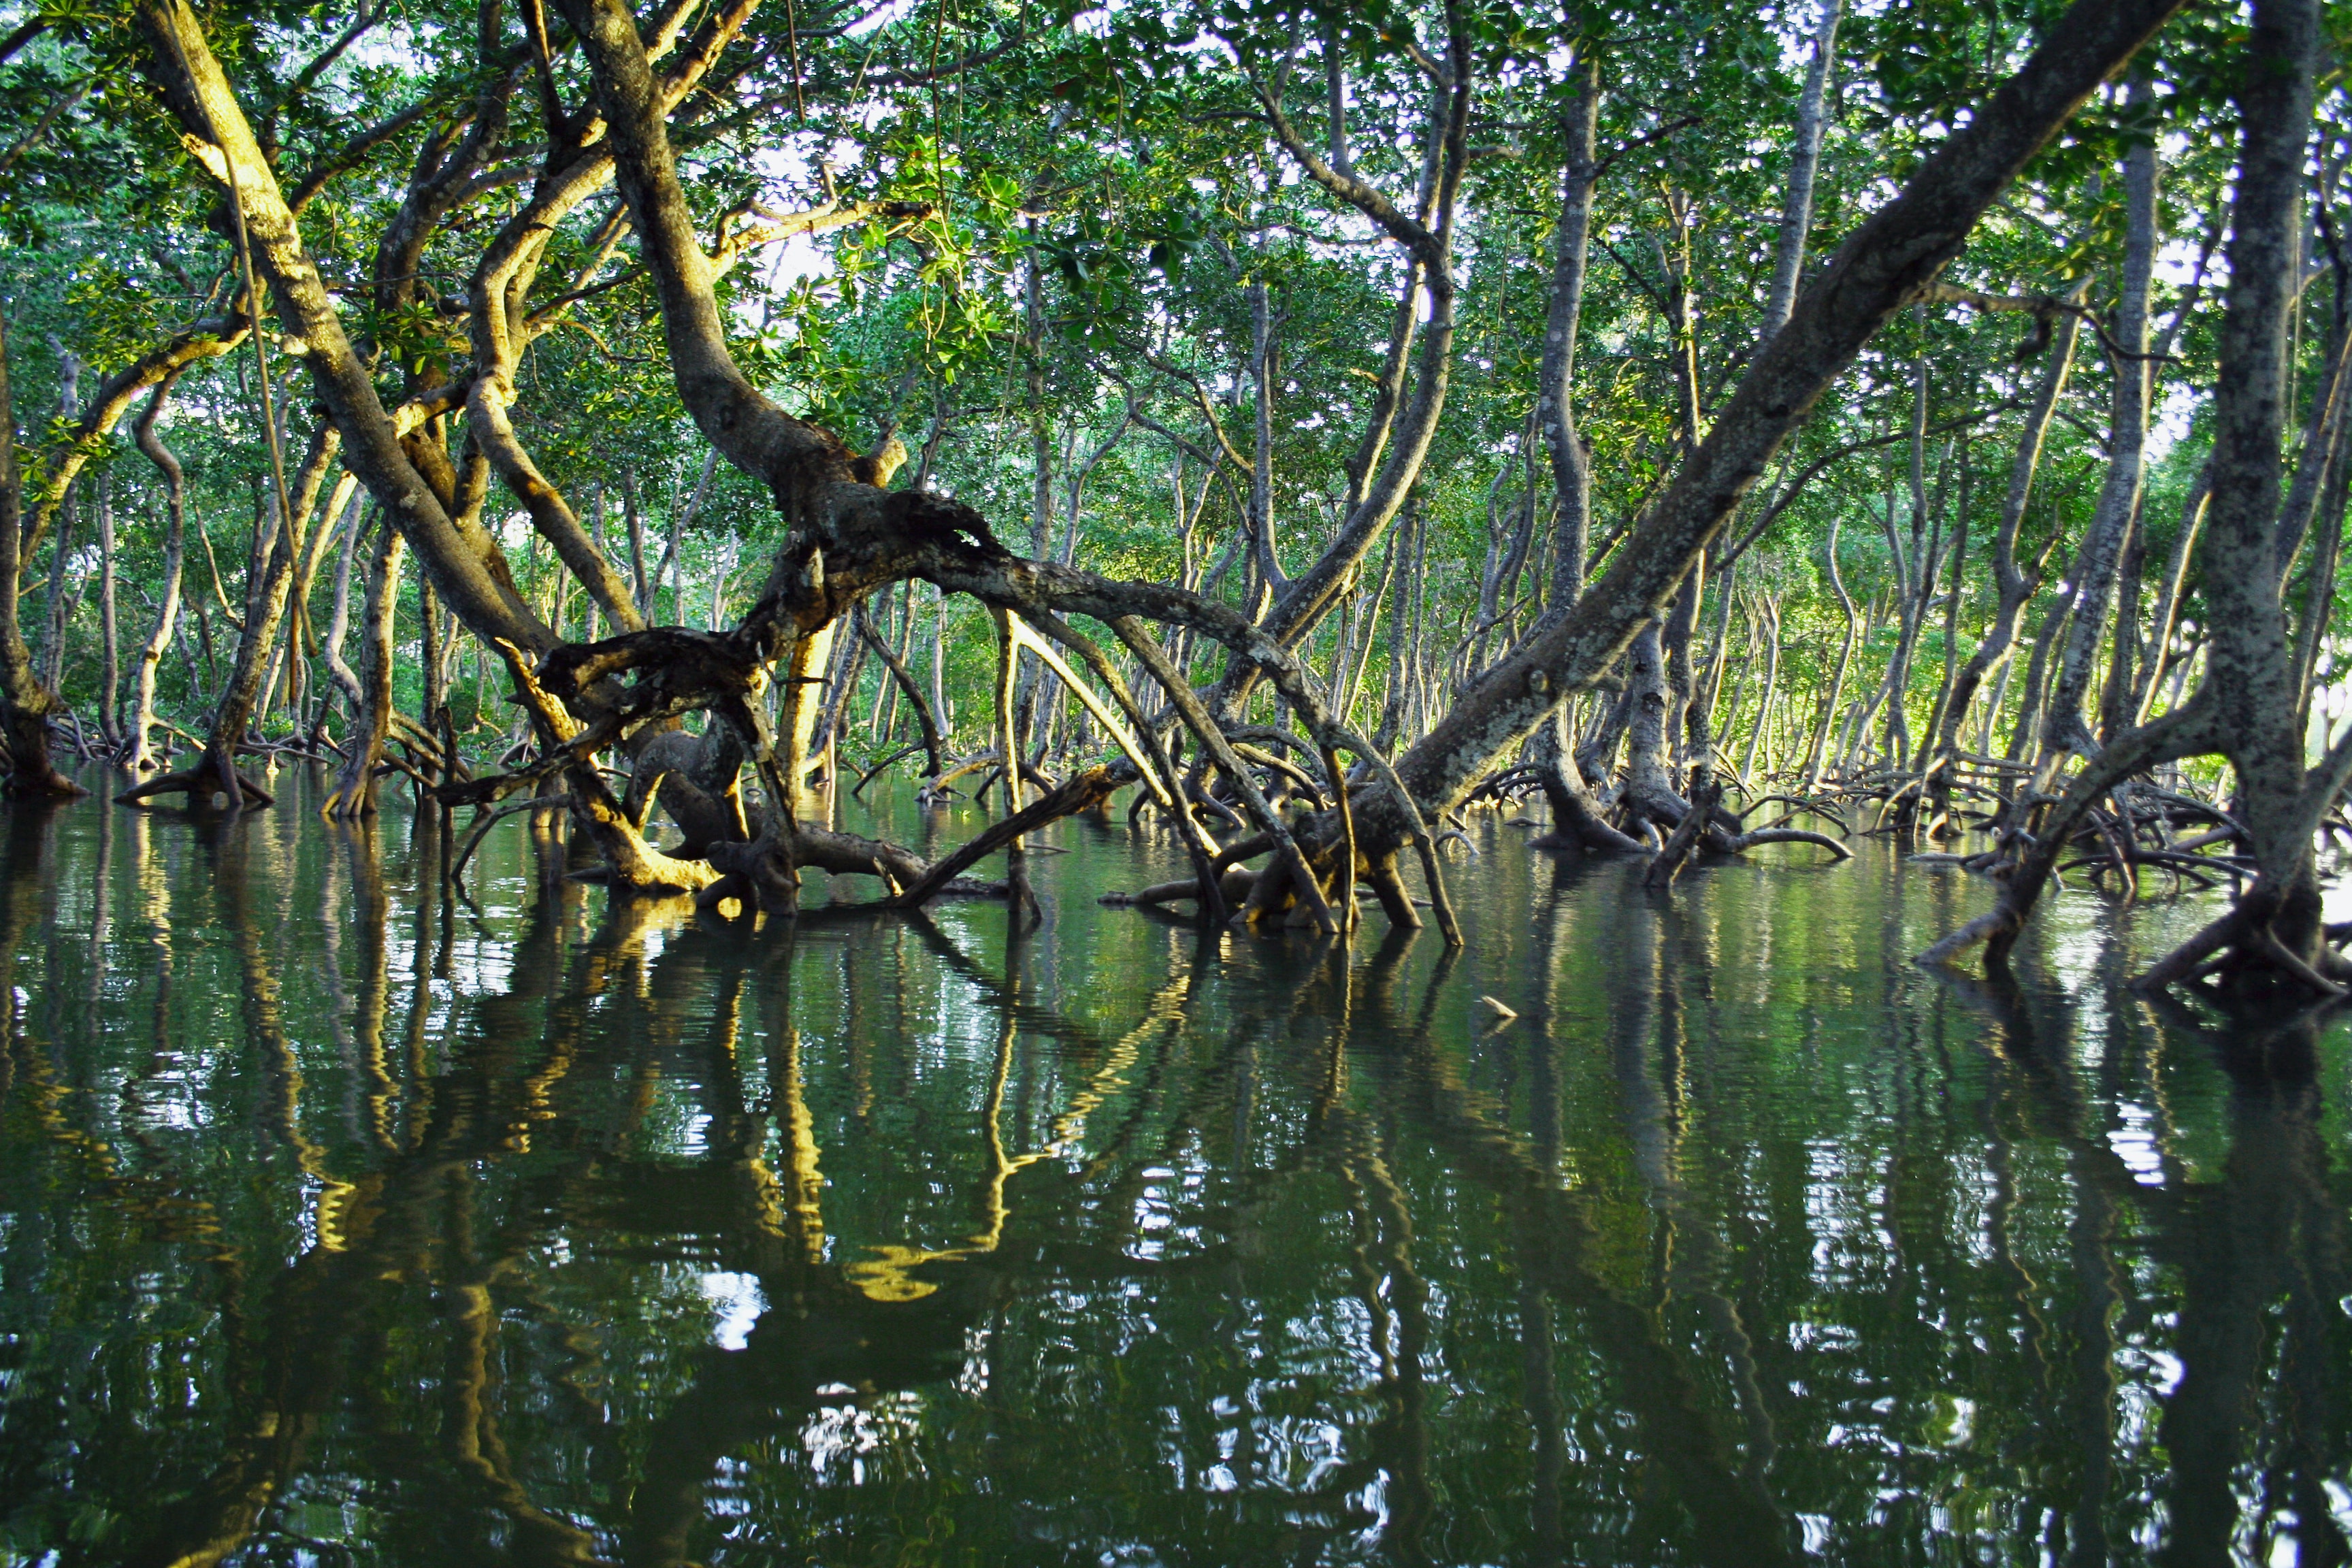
(451, 541)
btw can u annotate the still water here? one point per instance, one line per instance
(343, 1222)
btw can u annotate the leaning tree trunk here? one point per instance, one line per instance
(846, 539)
(2161, 624)
(452, 542)
(1388, 458)
(1804, 165)
(27, 706)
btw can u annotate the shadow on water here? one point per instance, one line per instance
(349, 1215)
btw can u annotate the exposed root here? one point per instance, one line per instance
(1739, 844)
(211, 779)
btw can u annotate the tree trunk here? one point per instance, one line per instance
(2012, 586)
(109, 678)
(2247, 664)
(1804, 165)
(138, 753)
(1649, 780)
(452, 542)
(1769, 611)
(633, 511)
(1302, 602)
(1576, 819)
(2027, 732)
(1916, 571)
(355, 790)
(2168, 600)
(1817, 756)
(2064, 729)
(2115, 696)
(338, 620)
(54, 613)
(1882, 267)
(27, 705)
(2246, 708)
(276, 548)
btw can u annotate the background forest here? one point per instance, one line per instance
(1385, 330)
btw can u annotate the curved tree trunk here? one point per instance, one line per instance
(1398, 447)
(934, 746)
(1576, 819)
(847, 538)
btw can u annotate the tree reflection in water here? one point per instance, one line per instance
(346, 1216)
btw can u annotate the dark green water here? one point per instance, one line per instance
(340, 1222)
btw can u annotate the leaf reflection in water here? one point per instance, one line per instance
(342, 1219)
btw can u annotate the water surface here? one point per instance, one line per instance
(345, 1222)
